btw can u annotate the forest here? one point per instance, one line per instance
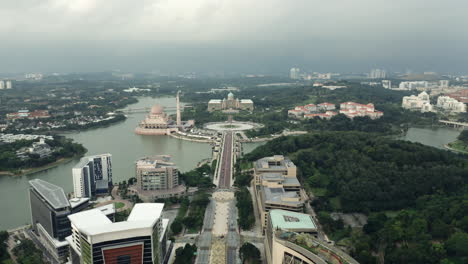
(416, 196)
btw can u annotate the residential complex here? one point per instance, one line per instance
(352, 109)
(312, 109)
(291, 238)
(142, 238)
(92, 176)
(37, 114)
(276, 186)
(230, 103)
(461, 95)
(323, 111)
(157, 177)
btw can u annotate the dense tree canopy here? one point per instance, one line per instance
(360, 172)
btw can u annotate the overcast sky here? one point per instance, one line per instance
(233, 35)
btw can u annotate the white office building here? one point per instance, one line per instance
(92, 176)
(294, 73)
(413, 85)
(387, 84)
(141, 239)
(9, 85)
(444, 83)
(2, 84)
(378, 74)
(420, 102)
(450, 105)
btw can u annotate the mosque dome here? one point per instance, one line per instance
(230, 95)
(156, 110)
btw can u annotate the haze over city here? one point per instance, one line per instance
(265, 36)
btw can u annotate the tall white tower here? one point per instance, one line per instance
(179, 121)
(2, 85)
(9, 85)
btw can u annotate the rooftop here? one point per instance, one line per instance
(278, 195)
(159, 161)
(94, 222)
(52, 193)
(277, 162)
(291, 221)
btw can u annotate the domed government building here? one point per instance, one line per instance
(230, 103)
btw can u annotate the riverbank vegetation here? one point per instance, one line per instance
(60, 148)
(4, 256)
(424, 189)
(461, 144)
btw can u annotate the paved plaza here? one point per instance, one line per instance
(232, 126)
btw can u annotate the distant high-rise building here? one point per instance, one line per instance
(294, 73)
(444, 83)
(141, 239)
(2, 84)
(387, 84)
(92, 176)
(9, 85)
(378, 74)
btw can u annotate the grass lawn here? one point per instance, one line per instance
(458, 145)
(193, 230)
(119, 205)
(246, 165)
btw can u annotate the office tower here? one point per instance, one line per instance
(140, 239)
(156, 173)
(2, 84)
(387, 84)
(9, 85)
(49, 211)
(92, 176)
(378, 74)
(294, 73)
(444, 83)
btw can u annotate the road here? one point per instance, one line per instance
(225, 172)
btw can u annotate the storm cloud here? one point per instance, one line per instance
(233, 35)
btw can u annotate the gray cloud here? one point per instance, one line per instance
(241, 35)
